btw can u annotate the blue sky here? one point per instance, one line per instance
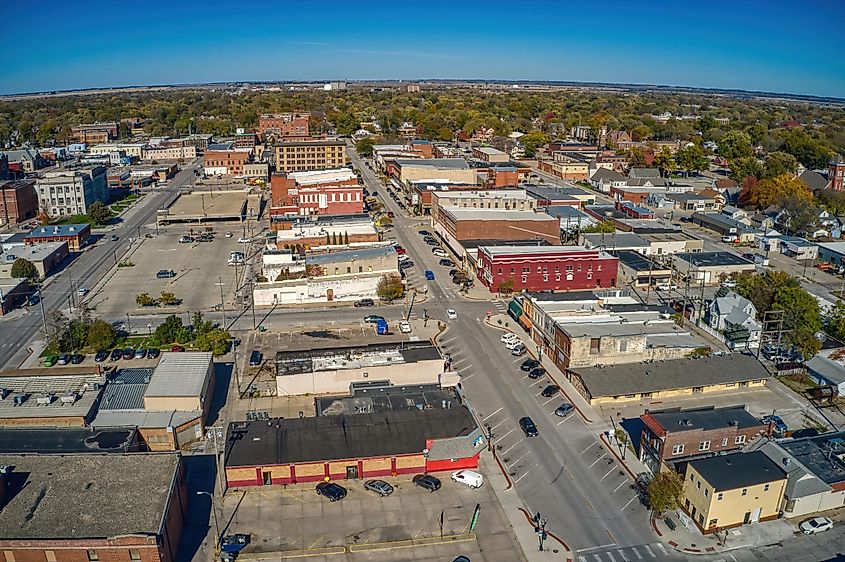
(778, 46)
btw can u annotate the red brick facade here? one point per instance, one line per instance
(340, 198)
(284, 124)
(233, 160)
(565, 270)
(502, 229)
(18, 202)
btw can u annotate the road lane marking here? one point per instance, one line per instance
(607, 473)
(523, 476)
(588, 448)
(653, 555)
(494, 413)
(637, 552)
(596, 547)
(586, 501)
(629, 503)
(597, 460)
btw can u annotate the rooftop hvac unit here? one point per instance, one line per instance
(44, 400)
(4, 392)
(69, 398)
(20, 399)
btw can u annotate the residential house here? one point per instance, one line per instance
(735, 319)
(25, 160)
(644, 173)
(827, 368)
(604, 179)
(813, 180)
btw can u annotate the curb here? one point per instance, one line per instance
(618, 458)
(554, 536)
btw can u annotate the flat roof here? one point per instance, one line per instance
(35, 253)
(638, 262)
(678, 420)
(556, 192)
(316, 360)
(180, 374)
(296, 440)
(81, 393)
(614, 240)
(439, 163)
(321, 142)
(470, 244)
(838, 247)
(348, 255)
(712, 259)
(376, 397)
(58, 230)
(111, 495)
(739, 470)
(66, 440)
(822, 455)
(211, 204)
(529, 250)
(461, 213)
(616, 329)
(489, 150)
(321, 176)
(636, 378)
(482, 194)
(565, 211)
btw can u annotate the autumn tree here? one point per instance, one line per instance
(664, 492)
(23, 268)
(364, 147)
(778, 164)
(664, 161)
(99, 213)
(691, 159)
(390, 287)
(735, 144)
(774, 190)
(144, 299)
(534, 140)
(745, 167)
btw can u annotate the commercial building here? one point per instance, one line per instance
(832, 252)
(131, 150)
(330, 371)
(571, 219)
(18, 201)
(324, 192)
(450, 169)
(505, 199)
(257, 170)
(724, 225)
(675, 434)
(56, 397)
(324, 231)
(678, 377)
(710, 267)
(67, 440)
(489, 154)
(641, 270)
(565, 167)
(72, 192)
(76, 235)
(616, 241)
(570, 195)
(45, 257)
(283, 125)
(72, 507)
(545, 268)
(496, 224)
(169, 153)
(23, 161)
(224, 159)
(360, 446)
(92, 133)
(699, 202)
(13, 293)
(729, 491)
(296, 156)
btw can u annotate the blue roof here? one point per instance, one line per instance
(565, 211)
(58, 230)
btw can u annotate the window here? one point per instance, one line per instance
(93, 556)
(526, 270)
(589, 275)
(545, 277)
(766, 488)
(595, 346)
(704, 446)
(745, 491)
(623, 346)
(739, 439)
(557, 276)
(524, 279)
(712, 523)
(725, 442)
(706, 492)
(134, 554)
(50, 555)
(10, 556)
(720, 496)
(678, 449)
(568, 268)
(698, 484)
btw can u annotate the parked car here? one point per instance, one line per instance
(401, 251)
(468, 477)
(229, 235)
(446, 262)
(451, 314)
(777, 423)
(815, 525)
(373, 319)
(440, 253)
(462, 558)
(185, 239)
(176, 348)
(424, 233)
(116, 354)
(528, 427)
(364, 302)
(255, 358)
(380, 487)
(101, 355)
(564, 410)
(512, 343)
(403, 258)
(244, 240)
(550, 391)
(63, 359)
(536, 373)
(405, 264)
(427, 482)
(729, 284)
(165, 274)
(128, 353)
(153, 353)
(529, 365)
(140, 353)
(82, 291)
(666, 287)
(405, 327)
(334, 492)
(114, 237)
(429, 275)
(50, 360)
(509, 337)
(519, 350)
(77, 359)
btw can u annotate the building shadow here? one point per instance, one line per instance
(200, 474)
(634, 428)
(222, 379)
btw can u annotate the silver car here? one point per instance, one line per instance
(380, 487)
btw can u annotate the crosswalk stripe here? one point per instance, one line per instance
(622, 554)
(637, 552)
(661, 547)
(610, 555)
(653, 555)
(582, 559)
(596, 556)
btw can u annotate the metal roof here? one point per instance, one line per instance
(180, 374)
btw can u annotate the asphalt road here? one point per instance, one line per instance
(20, 328)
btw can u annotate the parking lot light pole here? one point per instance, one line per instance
(216, 524)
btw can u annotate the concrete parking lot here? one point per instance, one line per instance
(198, 266)
(294, 521)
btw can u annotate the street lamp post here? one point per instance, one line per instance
(216, 523)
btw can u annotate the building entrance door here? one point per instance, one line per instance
(352, 472)
(268, 478)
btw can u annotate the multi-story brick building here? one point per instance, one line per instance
(124, 507)
(170, 152)
(284, 124)
(297, 156)
(505, 199)
(76, 235)
(71, 192)
(245, 139)
(96, 132)
(18, 201)
(675, 434)
(496, 224)
(545, 268)
(329, 192)
(224, 159)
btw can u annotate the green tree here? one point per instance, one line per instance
(664, 161)
(835, 321)
(801, 317)
(806, 148)
(534, 140)
(22, 267)
(215, 340)
(638, 157)
(735, 144)
(99, 213)
(144, 299)
(745, 167)
(390, 287)
(364, 147)
(664, 492)
(691, 159)
(200, 324)
(101, 335)
(603, 227)
(778, 164)
(506, 286)
(762, 289)
(167, 298)
(167, 331)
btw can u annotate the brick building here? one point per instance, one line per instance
(304, 155)
(328, 192)
(93, 133)
(497, 224)
(473, 198)
(81, 507)
(284, 124)
(18, 201)
(245, 139)
(674, 434)
(76, 235)
(545, 268)
(224, 159)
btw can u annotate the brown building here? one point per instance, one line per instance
(498, 224)
(245, 139)
(76, 235)
(18, 201)
(674, 434)
(95, 133)
(284, 124)
(224, 161)
(297, 156)
(83, 507)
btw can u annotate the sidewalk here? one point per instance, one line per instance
(686, 537)
(554, 548)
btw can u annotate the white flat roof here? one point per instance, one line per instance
(483, 194)
(495, 250)
(180, 374)
(461, 213)
(322, 176)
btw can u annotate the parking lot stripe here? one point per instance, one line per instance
(509, 448)
(622, 554)
(620, 485)
(597, 557)
(549, 400)
(662, 549)
(610, 555)
(629, 503)
(494, 413)
(467, 377)
(506, 434)
(317, 541)
(653, 555)
(637, 552)
(588, 448)
(517, 460)
(598, 459)
(498, 424)
(607, 473)
(523, 476)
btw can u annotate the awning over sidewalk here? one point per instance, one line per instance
(525, 322)
(515, 310)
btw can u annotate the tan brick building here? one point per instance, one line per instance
(298, 156)
(498, 224)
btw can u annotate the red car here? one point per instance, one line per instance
(177, 348)
(401, 251)
(390, 214)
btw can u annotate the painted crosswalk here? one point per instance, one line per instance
(608, 553)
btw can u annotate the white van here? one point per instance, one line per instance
(468, 477)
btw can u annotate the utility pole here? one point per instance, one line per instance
(43, 317)
(222, 301)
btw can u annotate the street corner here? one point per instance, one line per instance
(550, 546)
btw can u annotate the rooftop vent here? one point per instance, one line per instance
(5, 469)
(685, 421)
(20, 399)
(69, 398)
(785, 461)
(44, 400)
(733, 423)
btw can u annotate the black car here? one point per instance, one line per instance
(447, 263)
(128, 353)
(140, 353)
(101, 355)
(116, 354)
(529, 365)
(427, 481)
(453, 272)
(406, 264)
(152, 353)
(528, 427)
(425, 233)
(364, 302)
(76, 359)
(63, 359)
(334, 492)
(536, 373)
(255, 358)
(550, 390)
